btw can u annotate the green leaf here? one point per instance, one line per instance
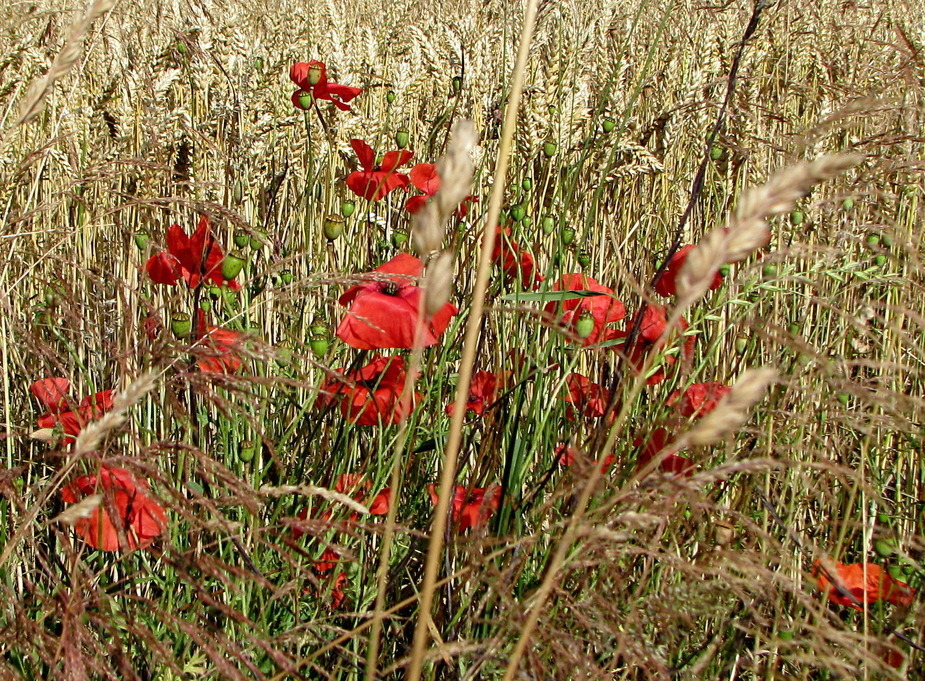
(550, 296)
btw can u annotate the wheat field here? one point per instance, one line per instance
(664, 422)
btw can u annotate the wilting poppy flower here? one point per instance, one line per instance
(312, 77)
(699, 399)
(584, 398)
(424, 176)
(516, 263)
(665, 285)
(566, 456)
(483, 391)
(472, 507)
(655, 445)
(866, 582)
(384, 312)
(219, 351)
(138, 516)
(372, 394)
(602, 309)
(374, 182)
(194, 259)
(51, 393)
(651, 330)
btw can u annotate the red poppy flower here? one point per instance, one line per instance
(866, 582)
(655, 445)
(384, 312)
(219, 349)
(139, 518)
(50, 391)
(584, 398)
(424, 176)
(665, 285)
(372, 394)
(654, 323)
(194, 259)
(483, 391)
(515, 262)
(313, 77)
(327, 562)
(374, 182)
(602, 309)
(338, 595)
(566, 456)
(381, 502)
(699, 399)
(471, 508)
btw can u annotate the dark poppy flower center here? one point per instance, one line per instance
(390, 288)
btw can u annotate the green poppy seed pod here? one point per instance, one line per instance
(769, 271)
(550, 148)
(241, 239)
(283, 357)
(258, 63)
(306, 99)
(247, 451)
(141, 240)
(181, 325)
(399, 239)
(215, 292)
(527, 221)
(347, 207)
(333, 227)
(256, 240)
(887, 240)
(785, 635)
(232, 265)
(724, 270)
(716, 152)
(527, 184)
(880, 260)
(205, 304)
(884, 547)
(517, 213)
(796, 218)
(390, 96)
(584, 258)
(741, 345)
(847, 204)
(844, 398)
(548, 225)
(896, 572)
(51, 296)
(314, 74)
(319, 346)
(609, 125)
(402, 137)
(793, 329)
(567, 234)
(873, 240)
(584, 327)
(456, 84)
(286, 277)
(552, 109)
(883, 519)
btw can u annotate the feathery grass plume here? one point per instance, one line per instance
(439, 282)
(91, 436)
(35, 98)
(82, 509)
(747, 230)
(455, 169)
(312, 491)
(732, 410)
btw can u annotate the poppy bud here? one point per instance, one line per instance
(305, 99)
(181, 47)
(785, 635)
(232, 265)
(793, 329)
(769, 271)
(844, 398)
(256, 240)
(724, 270)
(567, 234)
(456, 84)
(716, 152)
(883, 519)
(181, 325)
(873, 240)
(886, 240)
(527, 184)
(286, 277)
(237, 192)
(51, 296)
(517, 213)
(241, 239)
(896, 572)
(550, 148)
(141, 240)
(319, 346)
(548, 224)
(333, 227)
(205, 305)
(390, 96)
(609, 124)
(848, 203)
(880, 260)
(247, 451)
(314, 73)
(884, 547)
(283, 357)
(584, 327)
(584, 258)
(215, 292)
(401, 138)
(347, 207)
(527, 221)
(258, 63)
(741, 345)
(552, 109)
(399, 239)
(796, 218)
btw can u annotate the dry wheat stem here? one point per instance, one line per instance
(473, 324)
